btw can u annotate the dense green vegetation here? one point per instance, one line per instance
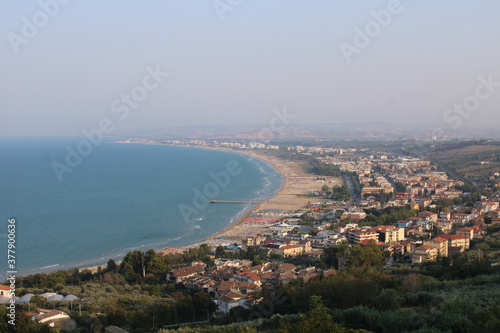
(459, 295)
(449, 295)
(132, 295)
(399, 187)
(381, 197)
(387, 216)
(340, 193)
(321, 169)
(24, 324)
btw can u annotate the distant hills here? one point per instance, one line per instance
(357, 131)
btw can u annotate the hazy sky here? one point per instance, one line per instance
(232, 62)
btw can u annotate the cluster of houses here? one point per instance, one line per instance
(235, 282)
(411, 237)
(423, 182)
(420, 238)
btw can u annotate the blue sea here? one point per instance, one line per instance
(117, 198)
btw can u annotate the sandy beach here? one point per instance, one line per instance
(293, 195)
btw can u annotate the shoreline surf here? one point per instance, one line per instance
(267, 192)
(232, 228)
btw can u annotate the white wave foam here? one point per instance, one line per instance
(51, 266)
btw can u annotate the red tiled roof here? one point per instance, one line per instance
(227, 299)
(452, 237)
(426, 212)
(234, 295)
(186, 271)
(253, 276)
(439, 239)
(288, 247)
(425, 247)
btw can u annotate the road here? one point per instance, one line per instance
(354, 198)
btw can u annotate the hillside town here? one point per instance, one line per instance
(404, 205)
(334, 204)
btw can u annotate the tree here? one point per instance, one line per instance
(388, 299)
(318, 319)
(333, 253)
(488, 319)
(39, 301)
(325, 170)
(366, 256)
(340, 193)
(118, 317)
(338, 213)
(325, 188)
(444, 202)
(219, 251)
(400, 187)
(111, 266)
(133, 266)
(23, 323)
(156, 266)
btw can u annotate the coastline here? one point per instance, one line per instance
(289, 197)
(230, 231)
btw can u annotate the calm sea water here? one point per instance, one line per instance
(121, 197)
